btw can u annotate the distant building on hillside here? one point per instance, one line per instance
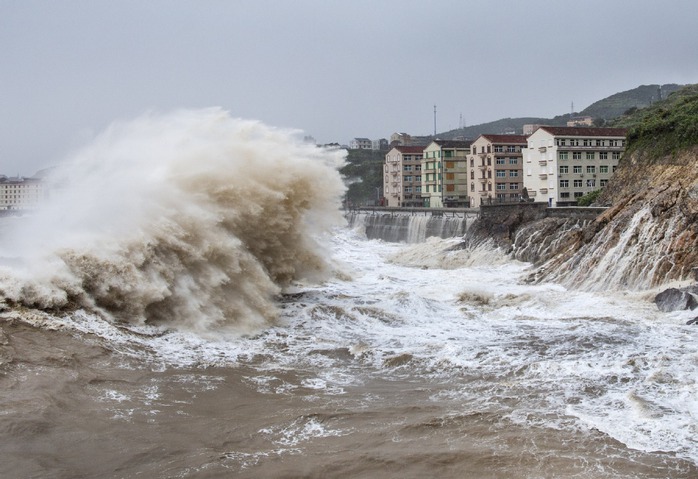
(379, 145)
(360, 144)
(404, 139)
(562, 164)
(496, 169)
(581, 121)
(445, 174)
(21, 194)
(529, 128)
(402, 176)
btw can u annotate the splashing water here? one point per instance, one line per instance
(193, 219)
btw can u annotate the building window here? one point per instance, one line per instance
(564, 169)
(501, 173)
(511, 149)
(603, 155)
(564, 183)
(616, 155)
(408, 189)
(591, 169)
(501, 186)
(577, 183)
(591, 155)
(513, 173)
(603, 183)
(591, 183)
(562, 155)
(500, 161)
(513, 186)
(407, 167)
(577, 155)
(499, 149)
(578, 194)
(408, 178)
(418, 178)
(418, 189)
(603, 169)
(565, 195)
(577, 169)
(513, 161)
(600, 143)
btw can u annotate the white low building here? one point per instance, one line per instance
(20, 193)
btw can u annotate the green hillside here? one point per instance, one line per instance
(602, 110)
(640, 97)
(665, 127)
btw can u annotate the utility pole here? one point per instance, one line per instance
(434, 121)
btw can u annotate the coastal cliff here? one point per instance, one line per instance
(649, 234)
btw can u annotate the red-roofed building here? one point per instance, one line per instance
(402, 176)
(562, 164)
(495, 169)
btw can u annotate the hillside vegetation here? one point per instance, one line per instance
(363, 174)
(664, 128)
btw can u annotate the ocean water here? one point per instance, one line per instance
(292, 346)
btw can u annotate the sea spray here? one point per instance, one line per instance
(193, 219)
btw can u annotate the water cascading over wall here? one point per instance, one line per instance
(409, 228)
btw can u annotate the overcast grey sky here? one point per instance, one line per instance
(334, 69)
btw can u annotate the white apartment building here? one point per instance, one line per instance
(495, 169)
(20, 193)
(402, 176)
(562, 164)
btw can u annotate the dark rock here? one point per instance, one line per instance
(674, 299)
(693, 321)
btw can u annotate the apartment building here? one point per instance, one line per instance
(20, 193)
(562, 164)
(496, 169)
(445, 174)
(402, 176)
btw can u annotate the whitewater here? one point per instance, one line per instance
(211, 327)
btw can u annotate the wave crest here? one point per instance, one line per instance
(193, 219)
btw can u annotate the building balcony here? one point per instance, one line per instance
(543, 176)
(543, 149)
(588, 148)
(542, 162)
